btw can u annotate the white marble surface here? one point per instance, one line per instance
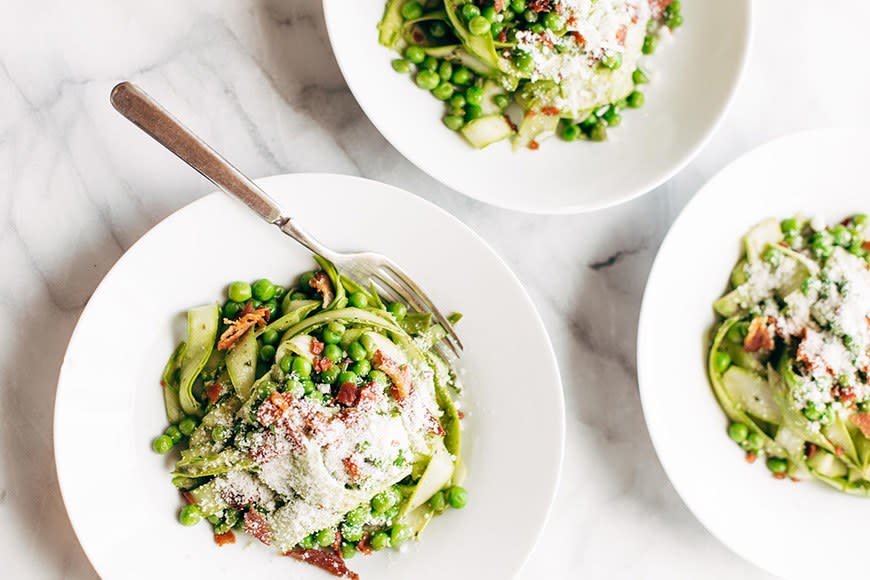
(256, 78)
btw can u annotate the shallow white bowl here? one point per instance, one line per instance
(795, 530)
(693, 80)
(109, 406)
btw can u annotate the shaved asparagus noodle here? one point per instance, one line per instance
(318, 419)
(789, 361)
(527, 69)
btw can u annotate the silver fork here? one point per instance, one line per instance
(362, 267)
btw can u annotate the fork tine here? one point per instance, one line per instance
(414, 295)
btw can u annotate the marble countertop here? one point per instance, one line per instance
(256, 78)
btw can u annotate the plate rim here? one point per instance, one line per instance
(642, 345)
(264, 182)
(663, 177)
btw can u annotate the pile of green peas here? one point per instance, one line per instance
(848, 235)
(752, 442)
(594, 127)
(173, 435)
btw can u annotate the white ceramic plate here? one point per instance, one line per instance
(694, 79)
(109, 407)
(795, 530)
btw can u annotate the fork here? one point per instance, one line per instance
(147, 114)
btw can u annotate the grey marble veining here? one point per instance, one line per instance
(256, 78)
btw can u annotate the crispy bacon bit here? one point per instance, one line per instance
(336, 542)
(810, 449)
(367, 394)
(461, 414)
(398, 374)
(237, 328)
(162, 383)
(779, 476)
(539, 5)
(419, 37)
(320, 282)
(498, 5)
(434, 425)
(550, 111)
(751, 457)
(316, 346)
(534, 145)
(281, 400)
(845, 394)
(225, 538)
(794, 479)
(257, 526)
(214, 392)
(530, 113)
(759, 336)
(838, 451)
(351, 467)
(363, 545)
(322, 364)
(188, 497)
(346, 394)
(578, 37)
(658, 6)
(502, 36)
(620, 34)
(325, 560)
(862, 422)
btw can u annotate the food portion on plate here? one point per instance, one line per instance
(319, 420)
(790, 357)
(567, 67)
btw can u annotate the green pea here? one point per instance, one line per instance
(399, 533)
(635, 99)
(501, 101)
(315, 395)
(479, 25)
(462, 76)
(298, 296)
(231, 309)
(414, 54)
(348, 377)
(427, 79)
(358, 516)
(721, 361)
(329, 337)
(330, 375)
(857, 249)
(474, 96)
(361, 368)
(859, 220)
(325, 537)
(598, 132)
(738, 432)
(265, 389)
(356, 351)
(789, 225)
(308, 386)
(302, 366)
(270, 336)
(412, 10)
(470, 11)
(187, 426)
(773, 256)
(295, 387)
(351, 533)
(308, 542)
(443, 92)
(220, 433)
(754, 441)
(263, 290)
(841, 235)
(518, 6)
(530, 16)
(524, 61)
(162, 444)
(777, 465)
(472, 112)
(437, 29)
(348, 550)
(382, 502)
(397, 309)
(280, 292)
(173, 433)
(538, 28)
(568, 131)
(675, 21)
(286, 363)
(737, 332)
(368, 343)
(457, 497)
(239, 291)
(496, 28)
(649, 44)
(445, 70)
(639, 77)
(401, 65)
(554, 21)
(189, 515)
(305, 280)
(267, 353)
(812, 412)
(379, 378)
(337, 327)
(332, 352)
(380, 541)
(438, 502)
(358, 300)
(589, 123)
(457, 101)
(612, 116)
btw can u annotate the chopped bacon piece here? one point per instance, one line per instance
(578, 37)
(621, 33)
(351, 467)
(866, 245)
(498, 5)
(336, 542)
(530, 113)
(325, 560)
(658, 6)
(502, 36)
(539, 5)
(316, 346)
(839, 451)
(750, 457)
(225, 538)
(321, 364)
(434, 425)
(397, 373)
(257, 526)
(237, 328)
(367, 394)
(862, 422)
(461, 414)
(550, 111)
(363, 545)
(759, 336)
(779, 476)
(281, 400)
(534, 145)
(188, 497)
(347, 394)
(214, 392)
(321, 283)
(810, 449)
